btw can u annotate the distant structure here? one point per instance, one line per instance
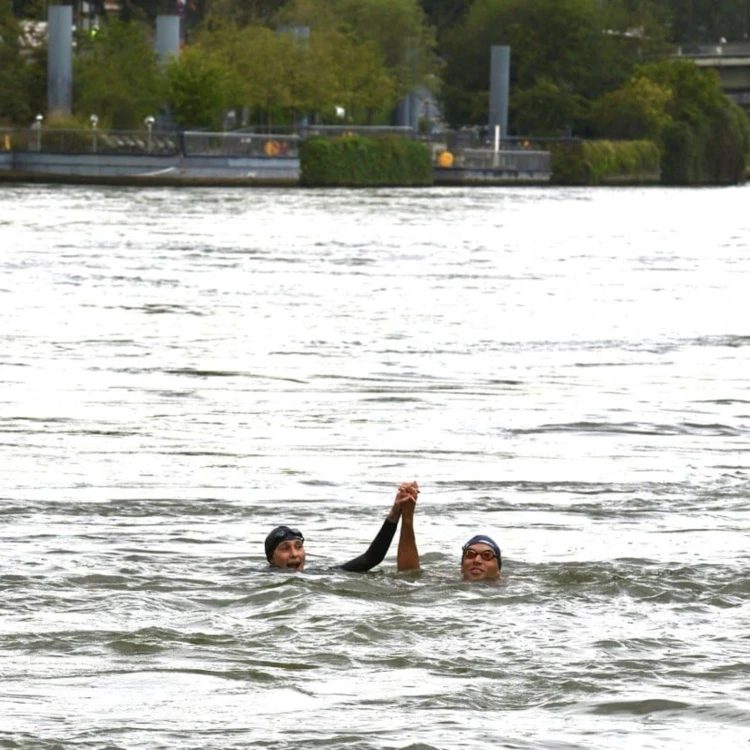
(167, 42)
(59, 60)
(732, 63)
(499, 89)
(300, 34)
(407, 111)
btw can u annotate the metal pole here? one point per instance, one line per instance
(39, 119)
(94, 123)
(149, 122)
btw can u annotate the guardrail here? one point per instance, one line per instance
(515, 160)
(131, 142)
(468, 149)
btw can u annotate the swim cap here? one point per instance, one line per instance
(277, 536)
(482, 539)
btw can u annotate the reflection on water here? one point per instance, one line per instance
(181, 370)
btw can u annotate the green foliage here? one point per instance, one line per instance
(443, 14)
(563, 52)
(706, 140)
(361, 83)
(116, 77)
(355, 161)
(396, 30)
(637, 110)
(546, 108)
(707, 21)
(704, 136)
(239, 12)
(23, 69)
(274, 74)
(196, 89)
(602, 162)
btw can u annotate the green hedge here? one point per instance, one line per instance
(356, 161)
(605, 162)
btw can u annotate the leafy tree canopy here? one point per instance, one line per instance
(581, 48)
(399, 28)
(116, 77)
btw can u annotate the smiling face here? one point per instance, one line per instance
(289, 554)
(475, 566)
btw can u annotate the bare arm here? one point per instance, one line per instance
(379, 547)
(408, 554)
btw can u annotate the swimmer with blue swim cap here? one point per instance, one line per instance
(481, 559)
(285, 546)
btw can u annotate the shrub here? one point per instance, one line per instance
(602, 162)
(359, 161)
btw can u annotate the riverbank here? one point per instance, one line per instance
(251, 161)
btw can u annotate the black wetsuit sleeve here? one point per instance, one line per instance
(375, 552)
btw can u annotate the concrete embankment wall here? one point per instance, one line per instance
(145, 169)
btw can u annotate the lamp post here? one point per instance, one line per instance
(149, 122)
(39, 119)
(94, 122)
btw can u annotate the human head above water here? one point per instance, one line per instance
(285, 548)
(480, 559)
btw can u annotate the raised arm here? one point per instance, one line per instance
(378, 549)
(408, 554)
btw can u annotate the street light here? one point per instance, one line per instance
(149, 122)
(94, 122)
(38, 126)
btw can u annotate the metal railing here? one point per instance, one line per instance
(722, 49)
(142, 142)
(510, 160)
(68, 141)
(469, 149)
(278, 145)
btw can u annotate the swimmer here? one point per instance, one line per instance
(481, 559)
(285, 546)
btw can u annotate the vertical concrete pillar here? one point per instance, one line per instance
(60, 60)
(167, 43)
(406, 114)
(402, 112)
(499, 89)
(414, 111)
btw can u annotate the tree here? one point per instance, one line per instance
(258, 64)
(546, 108)
(579, 46)
(196, 88)
(284, 78)
(116, 76)
(22, 57)
(703, 135)
(637, 110)
(443, 14)
(399, 28)
(363, 84)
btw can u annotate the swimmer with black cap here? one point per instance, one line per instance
(480, 556)
(285, 546)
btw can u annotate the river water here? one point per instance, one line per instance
(566, 370)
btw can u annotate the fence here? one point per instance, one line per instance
(75, 142)
(469, 149)
(511, 160)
